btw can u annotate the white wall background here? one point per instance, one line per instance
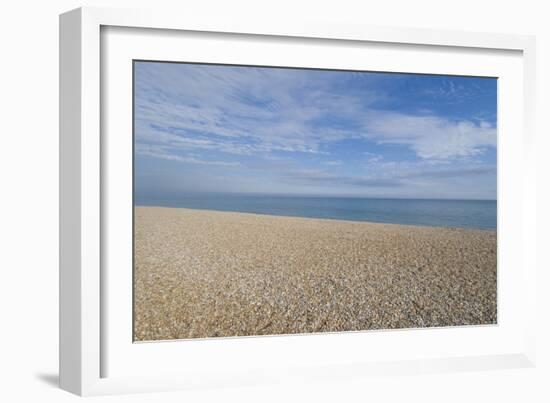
(29, 201)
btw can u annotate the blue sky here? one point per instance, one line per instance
(215, 128)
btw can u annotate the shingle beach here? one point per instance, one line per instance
(200, 273)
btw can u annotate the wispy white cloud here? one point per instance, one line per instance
(400, 179)
(431, 137)
(251, 111)
(163, 153)
(275, 119)
(242, 111)
(372, 158)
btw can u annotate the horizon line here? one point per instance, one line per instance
(205, 193)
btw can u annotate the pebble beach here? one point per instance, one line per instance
(200, 273)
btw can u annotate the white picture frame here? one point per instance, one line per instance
(90, 341)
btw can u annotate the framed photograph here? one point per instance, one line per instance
(247, 202)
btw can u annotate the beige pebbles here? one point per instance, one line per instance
(207, 274)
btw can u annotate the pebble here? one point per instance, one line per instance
(202, 274)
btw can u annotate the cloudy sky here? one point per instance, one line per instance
(212, 128)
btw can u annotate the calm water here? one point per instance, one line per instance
(438, 213)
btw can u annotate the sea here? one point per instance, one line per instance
(479, 214)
